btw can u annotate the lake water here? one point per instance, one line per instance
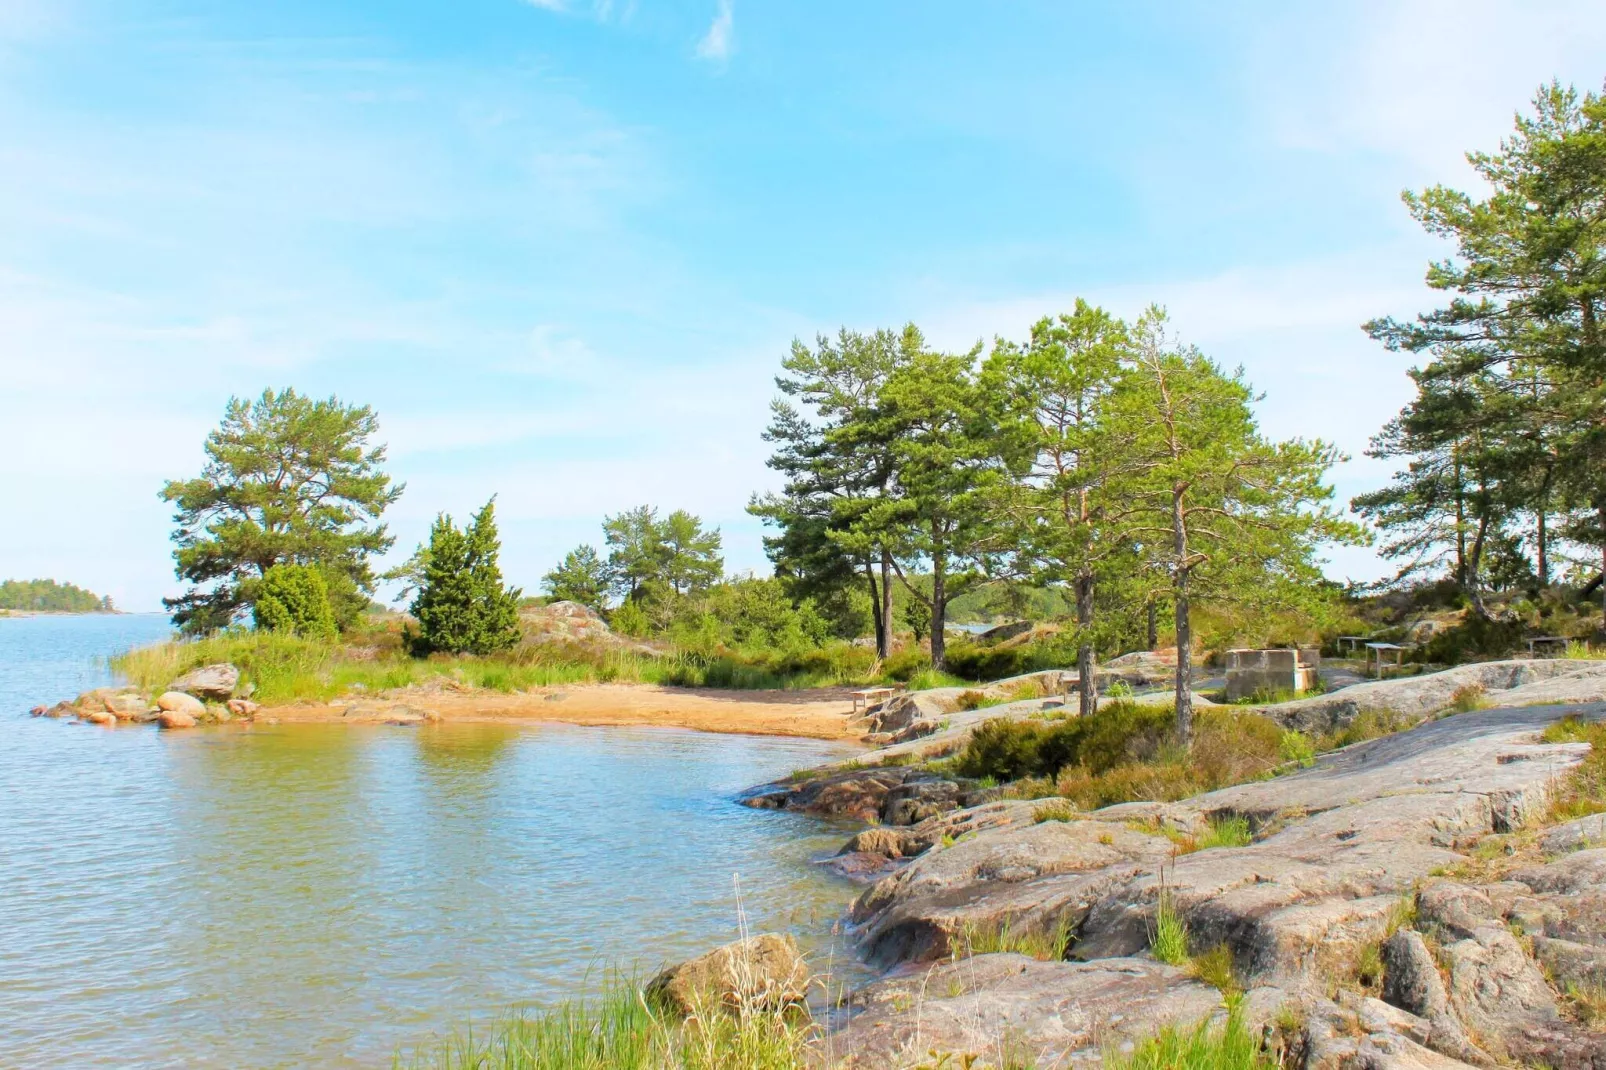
(321, 895)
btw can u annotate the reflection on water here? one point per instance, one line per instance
(317, 895)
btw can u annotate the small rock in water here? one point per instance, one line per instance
(175, 719)
(243, 708)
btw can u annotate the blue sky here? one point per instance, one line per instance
(561, 246)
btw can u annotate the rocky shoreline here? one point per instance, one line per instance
(1405, 902)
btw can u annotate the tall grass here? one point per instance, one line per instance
(620, 1030)
(1583, 791)
(1168, 936)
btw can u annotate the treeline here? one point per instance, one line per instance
(48, 596)
(1504, 484)
(1094, 456)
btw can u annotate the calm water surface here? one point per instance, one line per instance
(319, 895)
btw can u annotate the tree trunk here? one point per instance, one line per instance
(1184, 684)
(1460, 527)
(939, 611)
(1087, 682)
(886, 598)
(1474, 584)
(875, 612)
(1601, 510)
(1544, 548)
(1154, 624)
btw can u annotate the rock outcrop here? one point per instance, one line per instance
(1347, 864)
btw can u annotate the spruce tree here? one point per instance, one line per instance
(462, 606)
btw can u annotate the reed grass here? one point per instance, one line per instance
(1007, 938)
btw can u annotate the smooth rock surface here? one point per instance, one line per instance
(180, 702)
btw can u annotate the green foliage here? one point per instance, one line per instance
(1294, 746)
(583, 577)
(748, 614)
(1474, 636)
(1118, 733)
(1504, 430)
(49, 596)
(294, 599)
(630, 619)
(1230, 1047)
(676, 553)
(463, 606)
(287, 480)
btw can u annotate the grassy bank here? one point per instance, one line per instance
(285, 668)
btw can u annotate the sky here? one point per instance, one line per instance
(561, 246)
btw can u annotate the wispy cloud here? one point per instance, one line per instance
(720, 40)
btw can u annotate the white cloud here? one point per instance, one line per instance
(1420, 80)
(720, 40)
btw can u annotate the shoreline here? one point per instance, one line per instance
(814, 713)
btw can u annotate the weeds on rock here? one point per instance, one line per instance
(1469, 698)
(1230, 1047)
(1587, 1004)
(981, 939)
(1215, 968)
(1055, 810)
(1296, 748)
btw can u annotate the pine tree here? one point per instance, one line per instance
(463, 606)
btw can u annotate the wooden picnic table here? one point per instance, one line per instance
(1550, 640)
(1354, 641)
(1381, 649)
(870, 696)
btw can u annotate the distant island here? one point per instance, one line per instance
(48, 596)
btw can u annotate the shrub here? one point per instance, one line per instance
(972, 700)
(294, 599)
(1295, 746)
(462, 606)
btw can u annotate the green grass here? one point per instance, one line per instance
(284, 668)
(1583, 791)
(1055, 810)
(1168, 935)
(1231, 1047)
(1581, 651)
(1225, 831)
(619, 1030)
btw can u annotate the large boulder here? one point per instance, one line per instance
(214, 683)
(764, 971)
(175, 719)
(180, 702)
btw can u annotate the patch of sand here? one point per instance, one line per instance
(817, 713)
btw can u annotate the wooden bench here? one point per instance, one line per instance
(1556, 642)
(871, 696)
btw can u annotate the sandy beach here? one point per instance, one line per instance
(816, 713)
